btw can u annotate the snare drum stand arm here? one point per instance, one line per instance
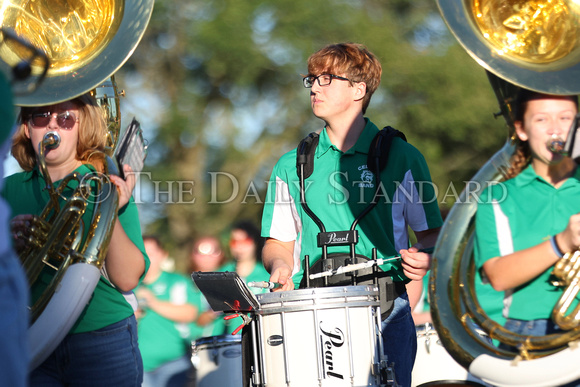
(255, 374)
(388, 377)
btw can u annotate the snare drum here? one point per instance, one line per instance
(319, 337)
(218, 360)
(434, 366)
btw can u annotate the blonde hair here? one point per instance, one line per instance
(92, 134)
(353, 60)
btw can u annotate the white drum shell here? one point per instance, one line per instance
(320, 337)
(218, 360)
(434, 364)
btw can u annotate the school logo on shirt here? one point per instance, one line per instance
(366, 177)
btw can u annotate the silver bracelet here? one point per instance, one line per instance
(555, 246)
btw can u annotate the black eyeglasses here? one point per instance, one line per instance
(323, 80)
(66, 120)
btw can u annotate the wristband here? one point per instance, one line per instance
(555, 247)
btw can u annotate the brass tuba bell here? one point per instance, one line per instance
(520, 43)
(86, 42)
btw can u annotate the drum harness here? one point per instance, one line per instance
(330, 266)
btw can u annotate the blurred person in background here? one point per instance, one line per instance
(206, 255)
(167, 304)
(245, 247)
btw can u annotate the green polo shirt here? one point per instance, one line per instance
(340, 188)
(25, 194)
(515, 215)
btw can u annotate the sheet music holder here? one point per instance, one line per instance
(132, 148)
(225, 291)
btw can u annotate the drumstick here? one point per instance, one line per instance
(349, 268)
(264, 284)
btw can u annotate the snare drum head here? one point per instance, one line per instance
(333, 262)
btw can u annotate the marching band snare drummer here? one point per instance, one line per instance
(101, 349)
(342, 79)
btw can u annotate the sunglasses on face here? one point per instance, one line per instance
(241, 242)
(66, 120)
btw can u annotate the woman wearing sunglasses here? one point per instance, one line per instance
(101, 348)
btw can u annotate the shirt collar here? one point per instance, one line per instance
(362, 145)
(82, 169)
(528, 175)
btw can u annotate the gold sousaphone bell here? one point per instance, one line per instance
(534, 45)
(86, 42)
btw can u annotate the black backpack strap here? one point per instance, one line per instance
(305, 154)
(380, 147)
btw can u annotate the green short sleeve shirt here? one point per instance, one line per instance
(340, 188)
(515, 215)
(25, 194)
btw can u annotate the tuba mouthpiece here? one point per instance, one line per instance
(556, 144)
(51, 140)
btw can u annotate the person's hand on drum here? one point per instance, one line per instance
(415, 263)
(282, 274)
(278, 258)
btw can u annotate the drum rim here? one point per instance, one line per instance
(222, 339)
(328, 292)
(453, 382)
(283, 308)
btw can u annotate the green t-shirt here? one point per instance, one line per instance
(338, 191)
(196, 331)
(25, 193)
(160, 339)
(515, 215)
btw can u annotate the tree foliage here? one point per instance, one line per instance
(218, 84)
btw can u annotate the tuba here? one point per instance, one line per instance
(520, 43)
(86, 42)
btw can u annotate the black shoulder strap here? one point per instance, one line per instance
(305, 154)
(380, 147)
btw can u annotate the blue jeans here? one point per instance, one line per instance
(106, 357)
(400, 340)
(174, 373)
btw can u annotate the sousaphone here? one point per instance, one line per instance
(86, 42)
(520, 43)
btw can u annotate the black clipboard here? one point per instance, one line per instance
(225, 291)
(132, 148)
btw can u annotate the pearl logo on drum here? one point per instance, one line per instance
(330, 339)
